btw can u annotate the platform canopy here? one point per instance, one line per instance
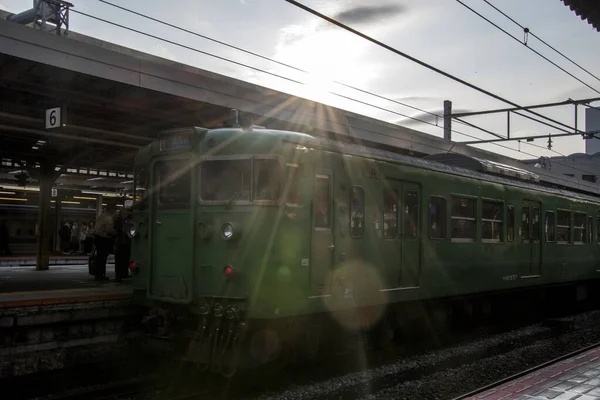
(586, 9)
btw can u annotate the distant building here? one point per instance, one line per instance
(583, 166)
(592, 123)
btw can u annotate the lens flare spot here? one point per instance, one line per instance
(356, 301)
(284, 274)
(265, 346)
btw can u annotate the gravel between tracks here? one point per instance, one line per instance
(448, 373)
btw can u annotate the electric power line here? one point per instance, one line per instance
(263, 57)
(518, 40)
(246, 65)
(540, 39)
(261, 70)
(422, 63)
(297, 82)
(304, 71)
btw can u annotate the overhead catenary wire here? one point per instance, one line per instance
(292, 80)
(247, 66)
(422, 63)
(541, 40)
(162, 22)
(529, 47)
(260, 70)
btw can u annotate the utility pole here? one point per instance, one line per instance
(447, 120)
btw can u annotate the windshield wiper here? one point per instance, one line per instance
(228, 204)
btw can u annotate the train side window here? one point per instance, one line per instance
(463, 218)
(535, 224)
(510, 222)
(390, 213)
(491, 221)
(322, 201)
(579, 226)
(357, 212)
(598, 229)
(525, 224)
(563, 226)
(437, 217)
(411, 214)
(590, 229)
(294, 186)
(550, 227)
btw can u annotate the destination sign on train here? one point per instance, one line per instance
(175, 143)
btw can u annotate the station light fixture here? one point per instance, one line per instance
(13, 198)
(20, 188)
(7, 192)
(84, 198)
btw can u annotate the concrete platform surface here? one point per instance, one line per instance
(16, 261)
(58, 277)
(577, 377)
(107, 292)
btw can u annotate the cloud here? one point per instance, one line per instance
(369, 14)
(408, 99)
(426, 117)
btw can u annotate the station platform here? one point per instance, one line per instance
(64, 296)
(576, 377)
(58, 277)
(22, 261)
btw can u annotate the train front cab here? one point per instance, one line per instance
(223, 234)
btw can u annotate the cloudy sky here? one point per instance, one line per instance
(442, 33)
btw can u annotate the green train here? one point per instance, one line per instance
(251, 245)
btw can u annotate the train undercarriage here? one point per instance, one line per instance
(223, 344)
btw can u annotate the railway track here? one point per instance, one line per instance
(441, 369)
(462, 368)
(527, 371)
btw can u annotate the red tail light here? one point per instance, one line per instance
(132, 265)
(228, 271)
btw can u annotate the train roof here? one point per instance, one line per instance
(456, 164)
(450, 163)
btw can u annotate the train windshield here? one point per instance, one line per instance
(240, 180)
(173, 183)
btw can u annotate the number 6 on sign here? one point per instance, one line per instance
(53, 118)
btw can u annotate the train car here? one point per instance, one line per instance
(252, 245)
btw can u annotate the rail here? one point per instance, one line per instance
(526, 372)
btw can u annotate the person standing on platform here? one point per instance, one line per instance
(65, 237)
(104, 233)
(89, 239)
(122, 246)
(4, 237)
(83, 232)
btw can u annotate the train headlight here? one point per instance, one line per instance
(130, 228)
(227, 231)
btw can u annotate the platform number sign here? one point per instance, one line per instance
(54, 192)
(53, 117)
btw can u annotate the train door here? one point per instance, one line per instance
(172, 232)
(322, 240)
(410, 235)
(389, 258)
(401, 236)
(530, 238)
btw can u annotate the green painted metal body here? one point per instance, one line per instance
(286, 263)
